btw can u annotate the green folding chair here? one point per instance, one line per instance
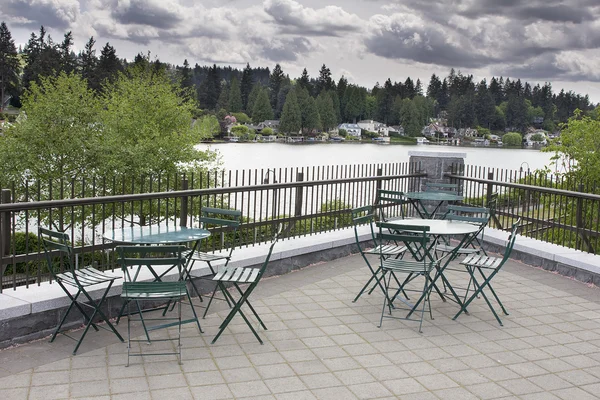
(154, 291)
(215, 218)
(236, 276)
(413, 236)
(364, 216)
(391, 199)
(62, 266)
(479, 216)
(491, 266)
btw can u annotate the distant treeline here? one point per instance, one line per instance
(500, 104)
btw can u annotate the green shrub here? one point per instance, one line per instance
(267, 131)
(512, 139)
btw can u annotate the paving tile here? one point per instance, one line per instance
(371, 390)
(286, 384)
(214, 392)
(322, 380)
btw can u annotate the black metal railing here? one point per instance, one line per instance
(553, 209)
(307, 200)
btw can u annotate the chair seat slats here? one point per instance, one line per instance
(153, 290)
(246, 274)
(237, 274)
(201, 256)
(482, 261)
(443, 248)
(86, 277)
(387, 249)
(408, 266)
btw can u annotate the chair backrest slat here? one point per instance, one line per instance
(390, 198)
(150, 256)
(434, 186)
(58, 241)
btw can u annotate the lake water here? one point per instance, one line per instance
(275, 155)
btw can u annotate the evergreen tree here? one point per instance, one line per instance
(310, 115)
(341, 94)
(409, 118)
(371, 107)
(187, 76)
(353, 105)
(210, 89)
(246, 86)
(88, 62)
(324, 82)
(235, 96)
(385, 100)
(304, 81)
(336, 106)
(281, 96)
(108, 65)
(43, 58)
(275, 81)
(326, 111)
(67, 59)
(9, 65)
(443, 96)
(262, 110)
(485, 107)
(252, 97)
(291, 117)
(418, 88)
(434, 88)
(223, 101)
(409, 88)
(496, 91)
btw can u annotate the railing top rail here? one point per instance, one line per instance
(542, 189)
(34, 205)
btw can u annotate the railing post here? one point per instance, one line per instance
(5, 218)
(378, 186)
(299, 195)
(183, 213)
(580, 224)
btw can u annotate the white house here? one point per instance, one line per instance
(374, 126)
(352, 129)
(527, 138)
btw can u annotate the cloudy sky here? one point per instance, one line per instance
(366, 40)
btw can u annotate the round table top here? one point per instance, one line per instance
(156, 234)
(440, 226)
(439, 195)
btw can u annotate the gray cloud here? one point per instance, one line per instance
(285, 49)
(404, 37)
(291, 17)
(511, 36)
(144, 12)
(563, 67)
(59, 14)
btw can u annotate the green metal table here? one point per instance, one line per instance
(417, 199)
(438, 228)
(157, 235)
(161, 234)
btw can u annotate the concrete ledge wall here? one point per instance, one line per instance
(28, 314)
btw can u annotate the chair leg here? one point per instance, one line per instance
(237, 309)
(385, 299)
(62, 321)
(494, 293)
(250, 305)
(425, 301)
(179, 325)
(193, 312)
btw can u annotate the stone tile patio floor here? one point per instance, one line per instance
(320, 345)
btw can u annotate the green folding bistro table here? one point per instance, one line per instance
(439, 228)
(417, 199)
(162, 234)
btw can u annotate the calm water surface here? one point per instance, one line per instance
(275, 155)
